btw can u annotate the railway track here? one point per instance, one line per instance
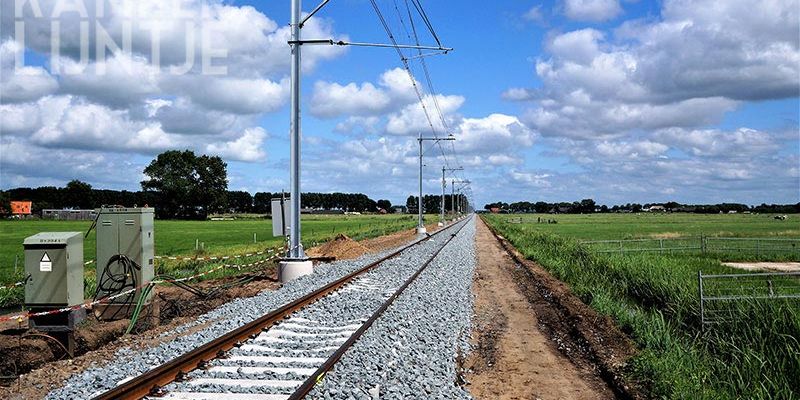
(285, 353)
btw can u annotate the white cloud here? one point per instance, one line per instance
(588, 119)
(634, 150)
(497, 133)
(743, 142)
(581, 46)
(503, 159)
(128, 105)
(71, 123)
(184, 117)
(21, 84)
(530, 179)
(367, 125)
(254, 43)
(518, 94)
(412, 118)
(331, 99)
(711, 48)
(247, 147)
(120, 81)
(707, 165)
(233, 95)
(534, 14)
(394, 90)
(592, 10)
(698, 62)
(18, 118)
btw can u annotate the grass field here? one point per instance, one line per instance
(657, 225)
(179, 238)
(653, 297)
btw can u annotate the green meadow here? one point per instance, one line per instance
(174, 238)
(653, 297)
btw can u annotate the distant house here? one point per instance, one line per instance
(21, 208)
(399, 209)
(656, 209)
(495, 210)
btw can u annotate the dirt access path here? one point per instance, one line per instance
(766, 266)
(520, 352)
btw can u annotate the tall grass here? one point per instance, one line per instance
(654, 298)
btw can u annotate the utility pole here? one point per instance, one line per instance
(444, 187)
(461, 206)
(296, 263)
(453, 196)
(421, 140)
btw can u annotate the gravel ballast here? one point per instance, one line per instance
(129, 362)
(411, 350)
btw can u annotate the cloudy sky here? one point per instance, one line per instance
(620, 101)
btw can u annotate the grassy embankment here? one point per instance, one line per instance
(173, 238)
(653, 297)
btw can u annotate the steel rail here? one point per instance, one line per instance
(152, 381)
(319, 374)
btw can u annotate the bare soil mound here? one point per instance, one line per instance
(341, 247)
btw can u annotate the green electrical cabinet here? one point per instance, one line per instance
(54, 271)
(54, 267)
(124, 232)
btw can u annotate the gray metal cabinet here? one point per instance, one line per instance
(127, 232)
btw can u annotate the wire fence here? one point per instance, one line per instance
(723, 296)
(645, 245)
(757, 246)
(703, 244)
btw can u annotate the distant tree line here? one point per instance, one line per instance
(260, 203)
(81, 195)
(586, 206)
(181, 184)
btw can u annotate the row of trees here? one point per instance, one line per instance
(243, 202)
(586, 206)
(181, 184)
(583, 206)
(77, 194)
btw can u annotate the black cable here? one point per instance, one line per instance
(92, 226)
(428, 79)
(112, 283)
(407, 67)
(425, 19)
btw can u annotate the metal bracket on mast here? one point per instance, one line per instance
(314, 11)
(332, 42)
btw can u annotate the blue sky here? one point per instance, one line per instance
(620, 101)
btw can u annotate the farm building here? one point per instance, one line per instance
(66, 214)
